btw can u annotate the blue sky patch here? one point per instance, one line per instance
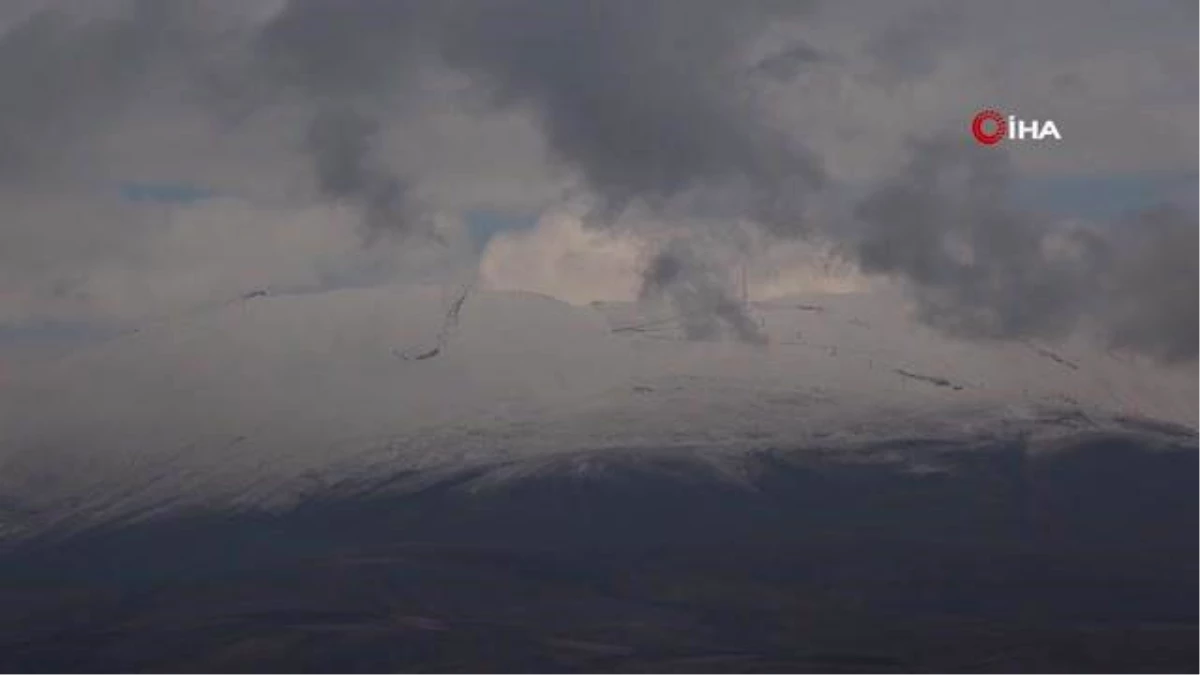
(164, 193)
(483, 225)
(44, 333)
(1105, 197)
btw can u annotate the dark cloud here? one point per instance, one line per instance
(63, 77)
(946, 224)
(346, 62)
(71, 76)
(912, 46)
(640, 98)
(789, 63)
(645, 99)
(342, 143)
(699, 294)
(650, 103)
(1148, 283)
(337, 51)
(981, 267)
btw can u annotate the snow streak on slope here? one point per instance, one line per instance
(281, 391)
(262, 403)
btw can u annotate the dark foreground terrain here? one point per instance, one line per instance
(899, 558)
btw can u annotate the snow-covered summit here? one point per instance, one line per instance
(273, 397)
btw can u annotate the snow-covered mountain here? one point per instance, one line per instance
(265, 400)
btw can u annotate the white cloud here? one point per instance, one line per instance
(562, 258)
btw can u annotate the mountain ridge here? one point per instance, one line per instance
(266, 402)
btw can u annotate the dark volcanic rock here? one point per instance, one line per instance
(898, 557)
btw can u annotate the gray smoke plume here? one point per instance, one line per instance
(344, 61)
(700, 296)
(648, 102)
(645, 99)
(342, 144)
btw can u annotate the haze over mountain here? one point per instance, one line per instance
(651, 335)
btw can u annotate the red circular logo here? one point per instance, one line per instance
(980, 123)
